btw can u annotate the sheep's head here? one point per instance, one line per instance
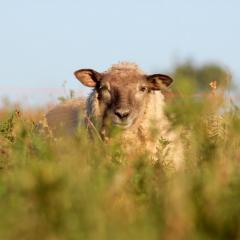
(122, 92)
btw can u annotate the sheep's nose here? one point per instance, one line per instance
(122, 113)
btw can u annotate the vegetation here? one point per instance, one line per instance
(83, 189)
(199, 76)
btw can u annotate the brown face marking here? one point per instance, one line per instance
(122, 94)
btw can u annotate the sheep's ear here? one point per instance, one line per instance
(88, 77)
(159, 81)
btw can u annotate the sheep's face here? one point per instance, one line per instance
(122, 94)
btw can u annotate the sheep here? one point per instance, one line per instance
(63, 119)
(125, 98)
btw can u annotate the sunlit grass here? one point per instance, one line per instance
(77, 188)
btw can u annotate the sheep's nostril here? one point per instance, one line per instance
(122, 113)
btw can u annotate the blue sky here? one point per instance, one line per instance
(43, 41)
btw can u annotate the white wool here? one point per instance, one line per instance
(139, 137)
(153, 122)
(125, 66)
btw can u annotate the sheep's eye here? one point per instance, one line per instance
(104, 92)
(143, 89)
(103, 89)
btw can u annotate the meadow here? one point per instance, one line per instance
(76, 188)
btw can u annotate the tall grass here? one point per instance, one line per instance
(82, 189)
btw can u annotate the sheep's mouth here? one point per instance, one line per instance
(123, 124)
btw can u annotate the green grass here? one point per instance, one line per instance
(80, 189)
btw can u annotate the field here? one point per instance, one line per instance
(55, 189)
